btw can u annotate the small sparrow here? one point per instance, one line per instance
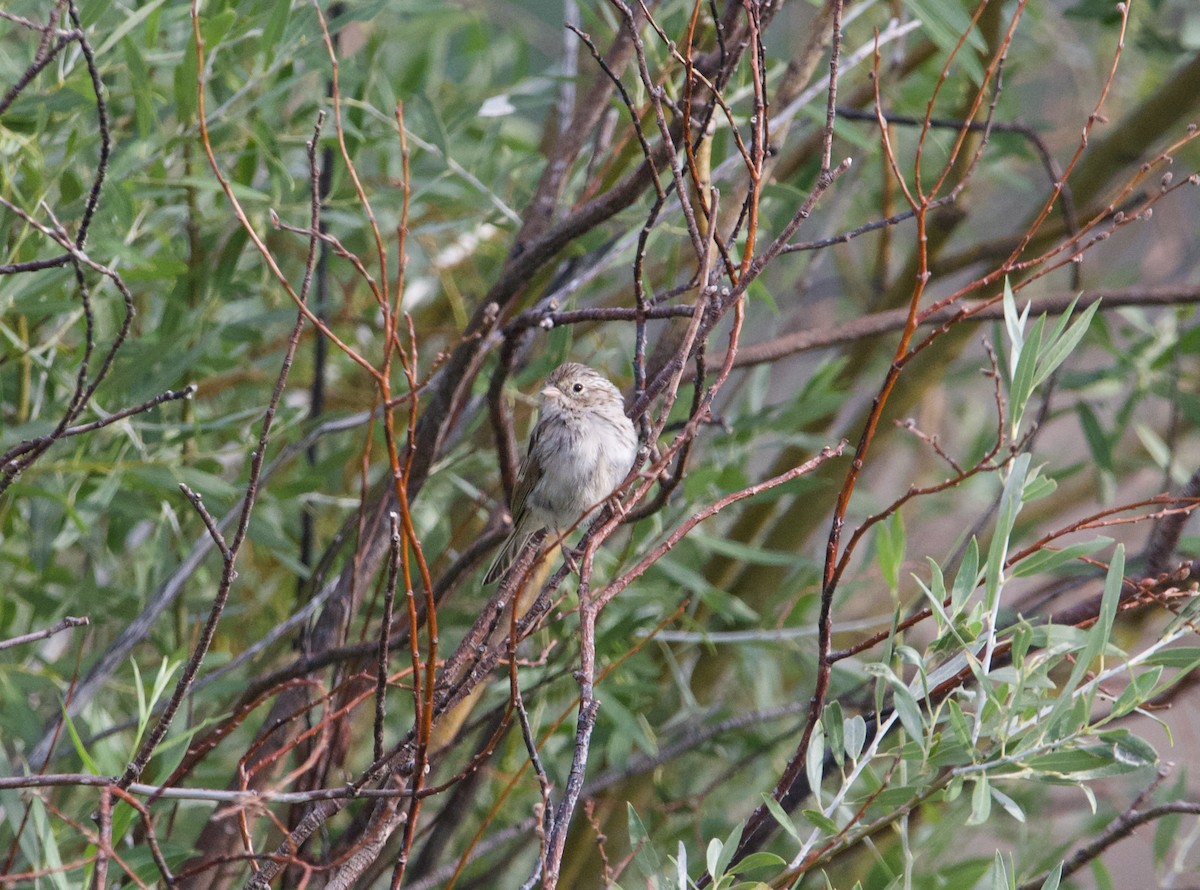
(582, 447)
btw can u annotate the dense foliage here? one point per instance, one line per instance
(902, 297)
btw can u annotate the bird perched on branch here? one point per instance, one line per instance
(582, 447)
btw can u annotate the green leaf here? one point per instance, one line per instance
(1006, 518)
(1099, 444)
(186, 76)
(47, 848)
(645, 857)
(730, 847)
(981, 802)
(1052, 879)
(731, 607)
(743, 552)
(1014, 322)
(1185, 658)
(780, 816)
(1022, 639)
(84, 755)
(245, 194)
(128, 23)
(1096, 641)
(1185, 616)
(273, 30)
(856, 736)
(935, 594)
(903, 701)
(760, 859)
(143, 711)
(1038, 487)
(1021, 386)
(1061, 345)
(1130, 749)
(1166, 831)
(832, 720)
(1136, 693)
(889, 547)
(1155, 445)
(967, 578)
(1048, 560)
(821, 821)
(713, 856)
(814, 760)
(958, 724)
(945, 22)
(213, 28)
(1079, 765)
(1097, 636)
(1010, 806)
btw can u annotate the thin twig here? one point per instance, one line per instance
(44, 634)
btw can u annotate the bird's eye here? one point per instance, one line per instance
(578, 387)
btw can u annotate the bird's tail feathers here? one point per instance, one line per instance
(513, 545)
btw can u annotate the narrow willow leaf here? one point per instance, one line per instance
(1139, 690)
(639, 838)
(780, 815)
(1021, 386)
(946, 23)
(981, 802)
(937, 581)
(143, 711)
(84, 756)
(1185, 658)
(935, 592)
(1099, 444)
(127, 24)
(1049, 560)
(856, 736)
(821, 821)
(999, 873)
(272, 31)
(814, 760)
(1165, 832)
(1014, 323)
(1130, 749)
(958, 723)
(1186, 616)
(910, 712)
(744, 552)
(1155, 445)
(1038, 487)
(903, 701)
(1097, 636)
(967, 578)
(1010, 806)
(1091, 797)
(712, 857)
(1059, 347)
(834, 731)
(760, 859)
(728, 849)
(1006, 518)
(889, 546)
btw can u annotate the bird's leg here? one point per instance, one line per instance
(569, 554)
(613, 502)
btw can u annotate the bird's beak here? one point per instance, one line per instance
(550, 394)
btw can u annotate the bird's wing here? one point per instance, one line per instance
(531, 473)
